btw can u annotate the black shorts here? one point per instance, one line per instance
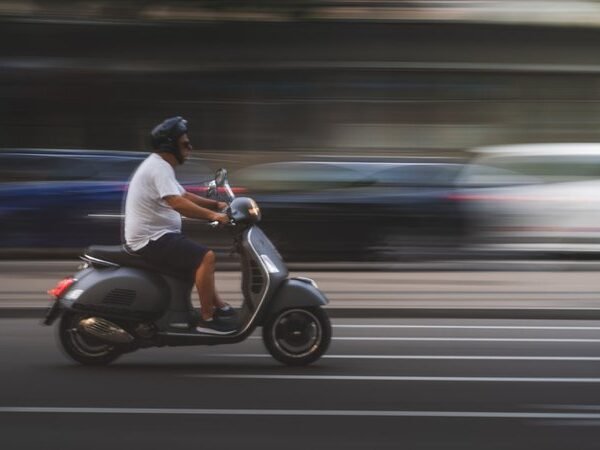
(174, 253)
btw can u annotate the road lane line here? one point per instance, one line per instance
(450, 338)
(425, 357)
(453, 339)
(395, 378)
(469, 327)
(301, 412)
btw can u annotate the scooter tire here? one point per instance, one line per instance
(297, 336)
(80, 348)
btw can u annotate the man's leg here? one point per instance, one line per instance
(205, 284)
(218, 302)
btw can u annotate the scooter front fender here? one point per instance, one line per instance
(296, 293)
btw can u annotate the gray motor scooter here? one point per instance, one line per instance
(118, 303)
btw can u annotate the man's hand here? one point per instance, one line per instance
(222, 206)
(223, 219)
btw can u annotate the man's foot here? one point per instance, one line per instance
(213, 326)
(224, 311)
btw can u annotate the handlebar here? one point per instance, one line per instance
(216, 223)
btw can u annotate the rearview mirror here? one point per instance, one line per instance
(221, 177)
(211, 192)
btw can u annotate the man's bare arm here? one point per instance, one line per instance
(187, 208)
(202, 201)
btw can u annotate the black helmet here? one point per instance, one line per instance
(164, 135)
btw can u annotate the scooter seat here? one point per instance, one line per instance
(119, 255)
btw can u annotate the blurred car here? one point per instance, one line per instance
(534, 198)
(357, 210)
(63, 200)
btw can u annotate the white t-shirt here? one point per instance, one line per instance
(147, 215)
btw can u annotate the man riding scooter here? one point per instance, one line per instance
(118, 302)
(154, 205)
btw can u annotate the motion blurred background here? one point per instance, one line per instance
(357, 125)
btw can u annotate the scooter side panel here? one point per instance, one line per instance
(268, 261)
(295, 293)
(120, 291)
(181, 313)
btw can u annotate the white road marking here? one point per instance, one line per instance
(396, 378)
(453, 339)
(300, 412)
(468, 327)
(425, 357)
(449, 338)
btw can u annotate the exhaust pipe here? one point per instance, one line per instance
(104, 330)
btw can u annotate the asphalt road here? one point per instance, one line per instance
(414, 384)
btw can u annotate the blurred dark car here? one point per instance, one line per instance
(60, 201)
(358, 211)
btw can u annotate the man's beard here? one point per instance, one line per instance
(179, 156)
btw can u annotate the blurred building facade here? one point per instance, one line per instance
(318, 77)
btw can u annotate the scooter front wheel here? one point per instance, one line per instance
(81, 348)
(297, 336)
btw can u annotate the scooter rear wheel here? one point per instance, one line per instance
(84, 349)
(297, 336)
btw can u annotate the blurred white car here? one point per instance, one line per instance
(533, 197)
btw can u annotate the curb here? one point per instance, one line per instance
(482, 265)
(398, 313)
(464, 313)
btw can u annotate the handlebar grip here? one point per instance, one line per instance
(216, 223)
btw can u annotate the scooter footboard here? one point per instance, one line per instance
(296, 293)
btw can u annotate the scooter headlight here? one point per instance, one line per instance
(254, 210)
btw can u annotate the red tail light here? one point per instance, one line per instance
(61, 287)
